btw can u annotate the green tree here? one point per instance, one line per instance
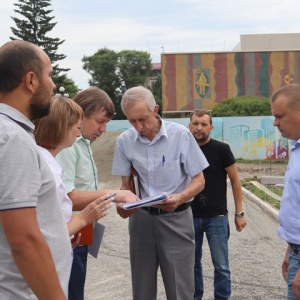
(33, 26)
(242, 106)
(68, 84)
(102, 67)
(114, 72)
(133, 68)
(156, 89)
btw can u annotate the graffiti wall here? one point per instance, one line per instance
(202, 80)
(248, 137)
(254, 138)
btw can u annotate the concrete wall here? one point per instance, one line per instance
(270, 41)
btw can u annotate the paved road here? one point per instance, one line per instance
(255, 259)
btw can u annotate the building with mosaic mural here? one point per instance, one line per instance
(202, 80)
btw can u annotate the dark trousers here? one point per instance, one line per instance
(78, 273)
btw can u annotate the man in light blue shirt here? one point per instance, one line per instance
(285, 106)
(167, 159)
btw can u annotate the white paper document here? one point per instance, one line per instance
(153, 200)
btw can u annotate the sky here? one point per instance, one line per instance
(156, 26)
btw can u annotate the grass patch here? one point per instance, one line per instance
(261, 194)
(262, 161)
(278, 190)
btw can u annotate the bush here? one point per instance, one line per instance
(242, 106)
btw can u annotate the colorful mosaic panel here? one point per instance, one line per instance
(202, 80)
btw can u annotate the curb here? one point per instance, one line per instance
(266, 190)
(265, 206)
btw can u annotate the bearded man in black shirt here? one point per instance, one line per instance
(209, 207)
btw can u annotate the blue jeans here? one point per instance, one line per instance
(294, 260)
(217, 234)
(78, 273)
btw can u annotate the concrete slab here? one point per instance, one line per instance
(266, 190)
(272, 179)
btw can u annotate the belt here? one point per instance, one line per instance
(294, 245)
(158, 211)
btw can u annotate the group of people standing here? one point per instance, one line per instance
(47, 171)
(38, 194)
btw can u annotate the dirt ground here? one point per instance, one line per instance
(103, 150)
(251, 170)
(109, 276)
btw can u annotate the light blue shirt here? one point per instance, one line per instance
(80, 171)
(289, 214)
(165, 164)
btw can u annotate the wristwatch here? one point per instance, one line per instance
(240, 215)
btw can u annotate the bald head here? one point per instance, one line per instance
(17, 58)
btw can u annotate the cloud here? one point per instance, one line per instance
(156, 26)
(102, 31)
(77, 73)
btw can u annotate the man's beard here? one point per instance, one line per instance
(38, 108)
(201, 140)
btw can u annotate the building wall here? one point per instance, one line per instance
(270, 42)
(202, 80)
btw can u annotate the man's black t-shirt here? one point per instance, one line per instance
(212, 200)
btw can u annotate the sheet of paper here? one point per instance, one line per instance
(153, 200)
(98, 235)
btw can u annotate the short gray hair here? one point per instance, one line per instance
(138, 94)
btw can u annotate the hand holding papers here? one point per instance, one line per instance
(153, 200)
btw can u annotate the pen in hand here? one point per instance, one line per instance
(110, 196)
